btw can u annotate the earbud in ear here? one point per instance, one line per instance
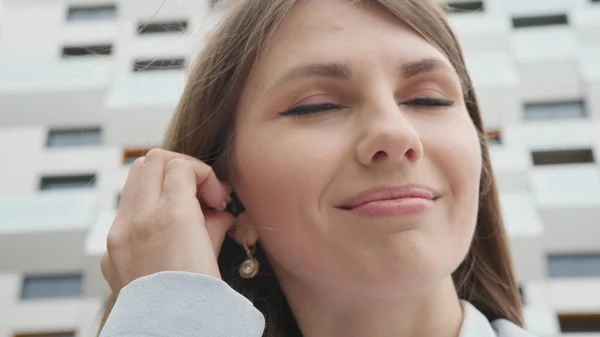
(235, 206)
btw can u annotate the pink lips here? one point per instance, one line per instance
(392, 201)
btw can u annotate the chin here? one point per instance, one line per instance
(407, 267)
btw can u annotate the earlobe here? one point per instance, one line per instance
(243, 232)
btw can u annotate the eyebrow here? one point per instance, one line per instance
(413, 69)
(341, 70)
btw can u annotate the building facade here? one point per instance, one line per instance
(87, 85)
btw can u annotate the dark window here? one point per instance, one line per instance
(555, 110)
(74, 137)
(574, 265)
(579, 323)
(563, 157)
(68, 182)
(595, 0)
(158, 64)
(39, 287)
(95, 50)
(465, 6)
(162, 27)
(537, 21)
(84, 13)
(494, 137)
(47, 334)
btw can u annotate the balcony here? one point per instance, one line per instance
(590, 72)
(496, 81)
(525, 231)
(66, 88)
(45, 231)
(548, 62)
(586, 22)
(482, 32)
(511, 166)
(576, 295)
(546, 135)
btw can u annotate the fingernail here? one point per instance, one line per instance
(222, 207)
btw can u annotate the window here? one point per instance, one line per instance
(595, 0)
(158, 64)
(162, 27)
(95, 50)
(48, 334)
(74, 137)
(68, 182)
(563, 157)
(554, 110)
(575, 265)
(465, 6)
(494, 137)
(537, 21)
(130, 155)
(85, 13)
(40, 287)
(579, 322)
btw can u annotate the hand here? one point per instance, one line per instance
(161, 225)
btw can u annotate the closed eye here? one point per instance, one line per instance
(429, 102)
(308, 109)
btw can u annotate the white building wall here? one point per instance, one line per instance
(547, 210)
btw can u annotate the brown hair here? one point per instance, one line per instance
(203, 126)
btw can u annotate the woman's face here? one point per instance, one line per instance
(347, 101)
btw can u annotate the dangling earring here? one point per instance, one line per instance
(249, 268)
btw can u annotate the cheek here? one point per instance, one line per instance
(280, 183)
(459, 160)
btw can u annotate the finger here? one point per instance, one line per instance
(217, 225)
(179, 181)
(150, 184)
(191, 178)
(226, 186)
(209, 189)
(128, 195)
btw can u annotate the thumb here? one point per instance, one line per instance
(217, 224)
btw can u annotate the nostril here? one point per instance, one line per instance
(379, 155)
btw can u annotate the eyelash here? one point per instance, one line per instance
(420, 102)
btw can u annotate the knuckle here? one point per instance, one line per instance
(138, 162)
(177, 163)
(114, 242)
(154, 154)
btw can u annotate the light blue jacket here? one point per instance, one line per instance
(185, 304)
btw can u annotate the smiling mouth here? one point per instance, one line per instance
(393, 201)
(394, 207)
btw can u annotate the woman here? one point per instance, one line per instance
(350, 133)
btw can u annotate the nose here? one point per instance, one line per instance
(388, 137)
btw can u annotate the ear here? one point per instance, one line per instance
(244, 232)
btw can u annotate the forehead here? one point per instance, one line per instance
(333, 30)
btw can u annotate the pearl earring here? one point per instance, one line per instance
(249, 268)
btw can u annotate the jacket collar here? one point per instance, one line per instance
(475, 324)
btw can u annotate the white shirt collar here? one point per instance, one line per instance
(475, 324)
